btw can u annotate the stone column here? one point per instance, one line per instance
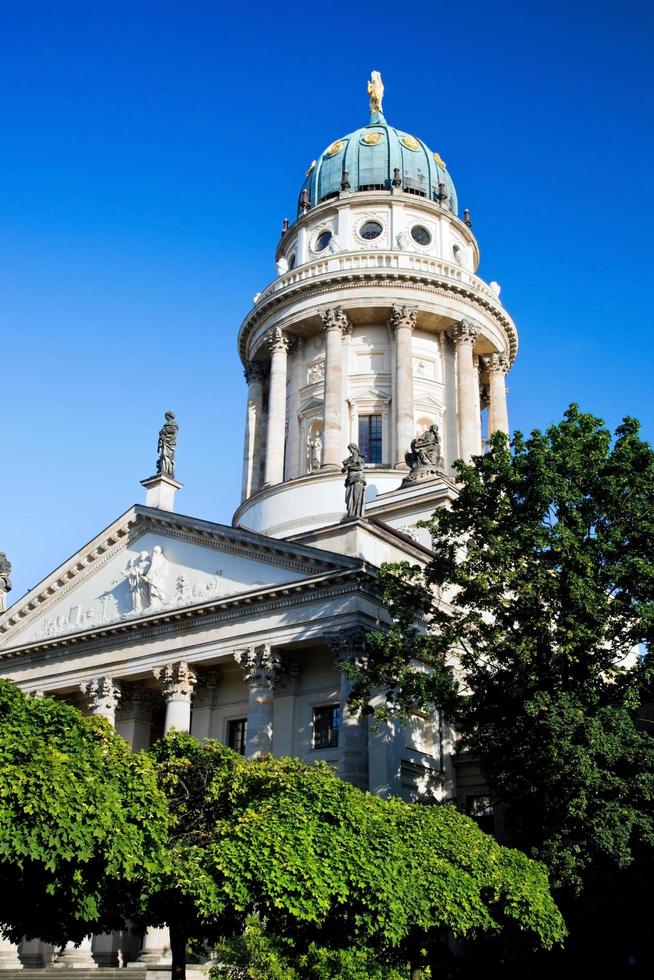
(155, 950)
(274, 471)
(76, 957)
(335, 323)
(9, 959)
(103, 695)
(497, 366)
(353, 731)
(402, 323)
(177, 683)
(294, 440)
(261, 668)
(463, 336)
(254, 374)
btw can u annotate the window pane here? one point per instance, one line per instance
(370, 438)
(326, 722)
(236, 734)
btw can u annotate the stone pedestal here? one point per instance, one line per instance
(74, 957)
(161, 492)
(155, 950)
(261, 668)
(9, 959)
(177, 684)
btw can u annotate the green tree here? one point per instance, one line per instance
(324, 863)
(534, 617)
(83, 822)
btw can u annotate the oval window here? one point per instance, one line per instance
(420, 235)
(370, 230)
(291, 261)
(322, 241)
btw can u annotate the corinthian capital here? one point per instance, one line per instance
(277, 339)
(261, 665)
(496, 362)
(348, 645)
(254, 372)
(103, 694)
(177, 681)
(336, 318)
(464, 332)
(402, 316)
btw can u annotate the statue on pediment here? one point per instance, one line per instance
(424, 459)
(155, 576)
(355, 481)
(5, 581)
(166, 446)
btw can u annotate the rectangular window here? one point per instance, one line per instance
(326, 722)
(237, 731)
(370, 438)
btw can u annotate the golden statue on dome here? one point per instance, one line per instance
(376, 91)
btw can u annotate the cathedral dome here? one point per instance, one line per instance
(378, 157)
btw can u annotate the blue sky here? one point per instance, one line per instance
(149, 151)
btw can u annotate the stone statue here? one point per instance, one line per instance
(315, 453)
(134, 573)
(5, 581)
(154, 576)
(376, 91)
(166, 446)
(424, 459)
(355, 483)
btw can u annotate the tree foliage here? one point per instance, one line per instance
(326, 864)
(83, 822)
(532, 617)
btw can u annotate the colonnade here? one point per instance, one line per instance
(337, 327)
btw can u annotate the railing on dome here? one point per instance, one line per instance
(360, 261)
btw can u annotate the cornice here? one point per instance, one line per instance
(340, 280)
(361, 579)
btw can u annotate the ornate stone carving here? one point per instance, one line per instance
(335, 318)
(277, 340)
(315, 453)
(348, 646)
(254, 372)
(146, 579)
(464, 332)
(177, 681)
(424, 459)
(496, 362)
(166, 446)
(316, 372)
(261, 665)
(410, 532)
(355, 482)
(103, 695)
(402, 316)
(5, 581)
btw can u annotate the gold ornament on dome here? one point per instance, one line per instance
(311, 168)
(335, 148)
(439, 160)
(372, 139)
(410, 142)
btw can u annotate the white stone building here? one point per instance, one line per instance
(376, 328)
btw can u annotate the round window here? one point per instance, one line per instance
(291, 261)
(322, 241)
(420, 235)
(370, 230)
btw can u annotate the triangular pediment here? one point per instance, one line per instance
(149, 561)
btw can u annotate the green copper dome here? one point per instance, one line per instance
(378, 157)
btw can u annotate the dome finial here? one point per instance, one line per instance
(376, 93)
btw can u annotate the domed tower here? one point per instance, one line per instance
(376, 329)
